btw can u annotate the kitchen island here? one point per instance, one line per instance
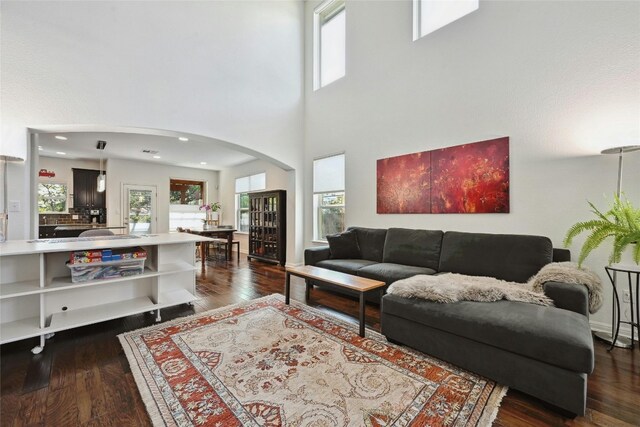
(39, 298)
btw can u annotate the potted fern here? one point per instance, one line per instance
(621, 221)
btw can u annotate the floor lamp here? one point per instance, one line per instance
(4, 215)
(605, 336)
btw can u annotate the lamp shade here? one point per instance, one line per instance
(102, 182)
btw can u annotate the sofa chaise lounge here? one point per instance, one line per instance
(546, 352)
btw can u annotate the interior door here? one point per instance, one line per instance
(139, 213)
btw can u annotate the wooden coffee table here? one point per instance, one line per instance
(357, 284)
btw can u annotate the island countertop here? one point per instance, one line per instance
(23, 247)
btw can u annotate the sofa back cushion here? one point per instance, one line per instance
(505, 256)
(413, 247)
(371, 242)
(344, 245)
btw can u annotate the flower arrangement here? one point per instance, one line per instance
(211, 207)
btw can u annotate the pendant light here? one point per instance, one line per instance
(102, 178)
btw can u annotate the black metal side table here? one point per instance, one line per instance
(615, 272)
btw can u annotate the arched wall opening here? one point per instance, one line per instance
(283, 176)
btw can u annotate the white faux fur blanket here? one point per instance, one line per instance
(450, 287)
(569, 272)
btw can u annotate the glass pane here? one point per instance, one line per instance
(328, 199)
(185, 219)
(328, 174)
(140, 211)
(332, 49)
(242, 184)
(243, 221)
(193, 195)
(258, 182)
(435, 14)
(175, 197)
(244, 201)
(331, 220)
(52, 198)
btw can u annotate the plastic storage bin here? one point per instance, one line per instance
(83, 272)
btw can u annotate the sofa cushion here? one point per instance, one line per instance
(349, 266)
(413, 247)
(344, 245)
(504, 256)
(389, 273)
(371, 242)
(548, 334)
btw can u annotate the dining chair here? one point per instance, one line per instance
(221, 244)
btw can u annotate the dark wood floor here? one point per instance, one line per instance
(82, 378)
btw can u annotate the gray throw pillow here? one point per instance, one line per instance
(344, 245)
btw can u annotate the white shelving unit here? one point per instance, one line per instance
(38, 298)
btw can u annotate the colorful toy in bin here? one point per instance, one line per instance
(106, 264)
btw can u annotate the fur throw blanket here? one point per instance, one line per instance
(569, 272)
(450, 287)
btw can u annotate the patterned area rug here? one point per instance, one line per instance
(263, 363)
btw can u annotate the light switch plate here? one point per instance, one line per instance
(14, 205)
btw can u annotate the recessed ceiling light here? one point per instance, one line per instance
(203, 163)
(62, 153)
(61, 138)
(156, 157)
(183, 139)
(40, 147)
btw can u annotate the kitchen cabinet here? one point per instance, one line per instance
(47, 231)
(85, 189)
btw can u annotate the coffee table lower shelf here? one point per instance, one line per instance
(359, 285)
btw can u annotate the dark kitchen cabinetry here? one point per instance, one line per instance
(268, 226)
(47, 231)
(85, 189)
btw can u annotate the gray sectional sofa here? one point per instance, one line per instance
(546, 352)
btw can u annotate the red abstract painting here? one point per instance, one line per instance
(404, 184)
(470, 178)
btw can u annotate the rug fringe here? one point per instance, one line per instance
(494, 402)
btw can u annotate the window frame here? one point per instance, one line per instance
(323, 14)
(417, 18)
(192, 212)
(184, 182)
(318, 195)
(66, 198)
(239, 210)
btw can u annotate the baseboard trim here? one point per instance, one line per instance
(625, 330)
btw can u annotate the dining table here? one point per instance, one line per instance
(220, 232)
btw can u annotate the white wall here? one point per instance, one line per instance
(559, 78)
(277, 179)
(120, 172)
(223, 69)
